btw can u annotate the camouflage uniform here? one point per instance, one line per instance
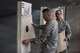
(64, 25)
(49, 37)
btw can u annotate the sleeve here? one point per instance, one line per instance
(41, 39)
(40, 26)
(37, 39)
(50, 40)
(68, 31)
(53, 38)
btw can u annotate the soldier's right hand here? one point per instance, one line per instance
(25, 42)
(34, 25)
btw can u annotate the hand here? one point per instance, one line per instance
(34, 24)
(65, 39)
(25, 42)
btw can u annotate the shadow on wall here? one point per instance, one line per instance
(8, 37)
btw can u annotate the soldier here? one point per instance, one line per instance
(49, 37)
(63, 26)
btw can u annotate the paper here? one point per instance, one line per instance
(26, 8)
(25, 28)
(62, 45)
(27, 22)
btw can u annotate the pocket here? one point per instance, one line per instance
(51, 48)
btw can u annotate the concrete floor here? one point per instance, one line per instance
(74, 46)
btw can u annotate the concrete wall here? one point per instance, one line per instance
(73, 17)
(8, 31)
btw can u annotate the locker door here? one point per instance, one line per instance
(25, 28)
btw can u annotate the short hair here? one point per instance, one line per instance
(47, 9)
(57, 11)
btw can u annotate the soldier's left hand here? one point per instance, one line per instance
(65, 39)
